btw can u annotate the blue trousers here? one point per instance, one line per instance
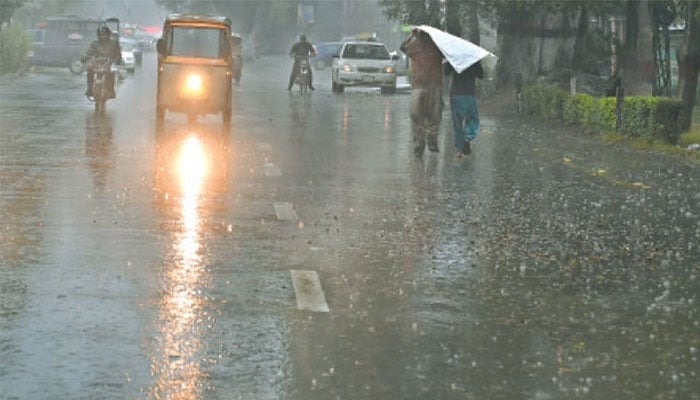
(465, 119)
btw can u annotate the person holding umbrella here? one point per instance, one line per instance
(465, 115)
(426, 103)
(463, 62)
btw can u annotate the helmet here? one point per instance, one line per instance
(302, 38)
(103, 31)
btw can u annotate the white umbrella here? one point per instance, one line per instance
(460, 53)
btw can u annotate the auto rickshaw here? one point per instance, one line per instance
(194, 67)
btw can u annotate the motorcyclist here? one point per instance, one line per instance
(104, 46)
(301, 50)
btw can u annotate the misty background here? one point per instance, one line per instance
(267, 26)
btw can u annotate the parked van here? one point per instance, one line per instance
(65, 40)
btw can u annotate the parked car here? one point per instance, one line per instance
(364, 64)
(324, 54)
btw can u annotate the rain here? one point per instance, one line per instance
(302, 250)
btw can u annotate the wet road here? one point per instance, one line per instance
(306, 254)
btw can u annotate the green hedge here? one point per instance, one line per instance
(14, 46)
(642, 116)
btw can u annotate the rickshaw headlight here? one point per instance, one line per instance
(194, 84)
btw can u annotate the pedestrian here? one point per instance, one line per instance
(426, 90)
(465, 115)
(301, 50)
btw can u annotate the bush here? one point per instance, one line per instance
(14, 46)
(667, 117)
(642, 116)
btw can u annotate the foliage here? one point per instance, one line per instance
(596, 47)
(7, 9)
(689, 138)
(414, 12)
(642, 116)
(34, 11)
(666, 116)
(590, 112)
(14, 46)
(550, 100)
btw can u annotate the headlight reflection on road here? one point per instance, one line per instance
(177, 365)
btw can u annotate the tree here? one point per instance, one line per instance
(7, 9)
(663, 13)
(535, 38)
(414, 12)
(690, 61)
(637, 54)
(268, 22)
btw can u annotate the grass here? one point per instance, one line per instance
(649, 144)
(504, 104)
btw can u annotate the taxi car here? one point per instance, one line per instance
(366, 64)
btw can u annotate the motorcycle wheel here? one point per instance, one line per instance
(76, 67)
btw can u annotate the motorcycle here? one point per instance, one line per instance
(303, 78)
(100, 85)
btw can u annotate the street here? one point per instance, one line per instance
(307, 254)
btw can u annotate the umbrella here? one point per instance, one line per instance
(460, 53)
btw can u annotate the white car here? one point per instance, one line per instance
(129, 61)
(364, 64)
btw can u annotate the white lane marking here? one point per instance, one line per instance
(307, 287)
(285, 211)
(272, 170)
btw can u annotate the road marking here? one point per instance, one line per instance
(272, 170)
(307, 287)
(285, 212)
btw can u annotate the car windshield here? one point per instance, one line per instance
(127, 45)
(197, 42)
(366, 51)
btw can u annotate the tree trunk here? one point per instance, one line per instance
(452, 20)
(535, 43)
(580, 48)
(638, 55)
(473, 18)
(690, 64)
